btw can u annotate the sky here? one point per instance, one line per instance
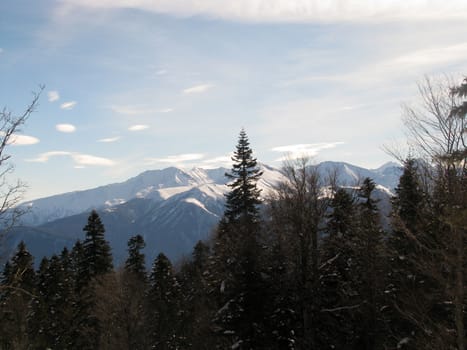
(135, 85)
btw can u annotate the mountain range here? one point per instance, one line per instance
(171, 208)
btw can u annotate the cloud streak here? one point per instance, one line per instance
(289, 10)
(138, 127)
(109, 139)
(197, 89)
(303, 150)
(68, 105)
(79, 159)
(180, 158)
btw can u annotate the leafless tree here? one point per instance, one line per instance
(11, 192)
(437, 128)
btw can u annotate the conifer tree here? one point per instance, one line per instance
(163, 317)
(337, 322)
(196, 300)
(38, 319)
(134, 283)
(243, 199)
(369, 269)
(15, 299)
(97, 256)
(237, 254)
(135, 262)
(93, 261)
(412, 289)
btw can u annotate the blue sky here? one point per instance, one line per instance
(137, 85)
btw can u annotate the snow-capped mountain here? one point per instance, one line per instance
(172, 208)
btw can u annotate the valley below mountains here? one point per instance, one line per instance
(171, 208)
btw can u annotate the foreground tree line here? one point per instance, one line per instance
(309, 267)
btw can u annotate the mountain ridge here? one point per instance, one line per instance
(172, 208)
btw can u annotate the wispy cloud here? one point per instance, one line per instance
(224, 161)
(291, 10)
(66, 128)
(303, 150)
(180, 158)
(161, 72)
(109, 139)
(197, 89)
(433, 56)
(220, 159)
(416, 62)
(79, 159)
(44, 157)
(68, 105)
(22, 140)
(138, 110)
(53, 96)
(87, 159)
(138, 127)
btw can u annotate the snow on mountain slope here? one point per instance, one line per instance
(171, 208)
(157, 185)
(352, 175)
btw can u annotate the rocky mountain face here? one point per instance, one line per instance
(172, 208)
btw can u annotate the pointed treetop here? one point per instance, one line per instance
(243, 199)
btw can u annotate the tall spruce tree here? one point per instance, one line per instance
(163, 316)
(135, 262)
(237, 255)
(94, 261)
(411, 288)
(337, 271)
(134, 283)
(97, 255)
(370, 269)
(243, 199)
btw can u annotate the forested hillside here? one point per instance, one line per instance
(304, 268)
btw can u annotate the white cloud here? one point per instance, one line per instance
(22, 140)
(197, 89)
(161, 72)
(44, 157)
(67, 128)
(176, 158)
(304, 150)
(289, 10)
(217, 160)
(53, 96)
(86, 159)
(68, 105)
(80, 160)
(109, 139)
(138, 127)
(224, 161)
